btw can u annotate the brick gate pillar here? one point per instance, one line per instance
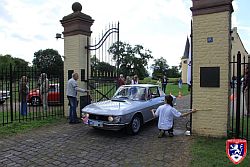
(76, 33)
(211, 56)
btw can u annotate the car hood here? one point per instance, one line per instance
(110, 107)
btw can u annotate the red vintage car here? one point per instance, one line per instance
(34, 96)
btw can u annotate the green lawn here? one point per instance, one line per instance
(22, 127)
(5, 116)
(206, 152)
(174, 89)
(172, 86)
(106, 89)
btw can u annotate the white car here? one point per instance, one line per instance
(130, 108)
(4, 95)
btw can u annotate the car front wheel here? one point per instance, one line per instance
(135, 125)
(35, 101)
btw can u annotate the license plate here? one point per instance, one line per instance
(96, 123)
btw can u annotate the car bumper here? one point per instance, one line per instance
(106, 125)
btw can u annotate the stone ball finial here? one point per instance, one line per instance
(77, 7)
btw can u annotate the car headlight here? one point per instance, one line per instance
(85, 114)
(114, 119)
(110, 119)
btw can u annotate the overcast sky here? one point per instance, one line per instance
(162, 26)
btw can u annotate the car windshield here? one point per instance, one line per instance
(131, 93)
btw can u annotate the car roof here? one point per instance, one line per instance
(142, 85)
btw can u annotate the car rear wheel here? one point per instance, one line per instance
(35, 101)
(135, 125)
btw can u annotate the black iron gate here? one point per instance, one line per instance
(13, 101)
(102, 69)
(238, 124)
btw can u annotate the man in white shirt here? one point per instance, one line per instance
(135, 80)
(166, 114)
(44, 90)
(72, 89)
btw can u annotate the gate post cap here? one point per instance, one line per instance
(76, 7)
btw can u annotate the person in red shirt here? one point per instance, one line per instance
(121, 81)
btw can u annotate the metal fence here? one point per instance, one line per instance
(239, 115)
(21, 101)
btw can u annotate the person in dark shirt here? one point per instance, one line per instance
(23, 90)
(164, 83)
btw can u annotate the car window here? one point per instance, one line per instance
(131, 92)
(140, 95)
(153, 92)
(52, 88)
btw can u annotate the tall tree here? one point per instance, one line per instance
(17, 64)
(160, 68)
(20, 63)
(131, 60)
(6, 60)
(98, 66)
(48, 61)
(173, 72)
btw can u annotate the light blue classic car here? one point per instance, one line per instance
(129, 107)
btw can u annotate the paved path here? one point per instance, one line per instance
(78, 145)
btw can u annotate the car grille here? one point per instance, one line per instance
(98, 117)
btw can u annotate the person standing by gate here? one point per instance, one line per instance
(159, 82)
(128, 80)
(135, 80)
(23, 92)
(44, 89)
(120, 81)
(72, 89)
(166, 114)
(164, 83)
(246, 90)
(180, 83)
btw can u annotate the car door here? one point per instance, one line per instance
(154, 100)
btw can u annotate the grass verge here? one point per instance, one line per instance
(174, 89)
(22, 127)
(211, 152)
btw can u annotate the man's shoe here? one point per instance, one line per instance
(160, 134)
(171, 134)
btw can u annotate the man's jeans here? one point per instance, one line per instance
(23, 107)
(72, 112)
(164, 87)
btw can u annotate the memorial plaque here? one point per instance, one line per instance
(70, 72)
(209, 76)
